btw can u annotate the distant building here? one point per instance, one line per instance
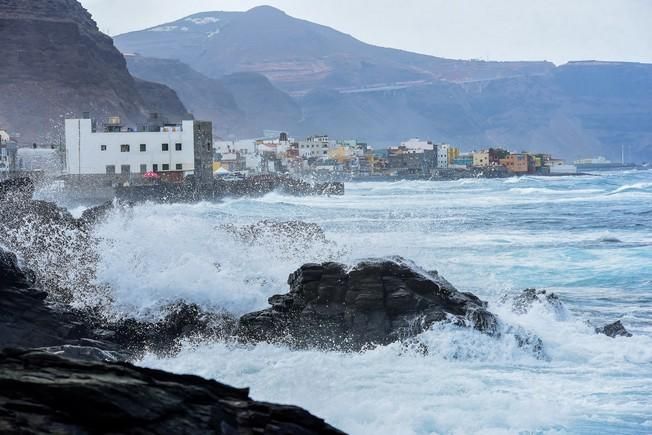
(520, 163)
(245, 146)
(418, 144)
(411, 161)
(119, 152)
(593, 161)
(453, 153)
(442, 155)
(462, 161)
(314, 146)
(481, 159)
(4, 153)
(559, 167)
(45, 160)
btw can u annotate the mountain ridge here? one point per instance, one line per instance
(301, 57)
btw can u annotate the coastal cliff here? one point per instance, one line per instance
(56, 64)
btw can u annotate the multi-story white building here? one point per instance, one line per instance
(314, 146)
(115, 150)
(418, 144)
(442, 156)
(243, 146)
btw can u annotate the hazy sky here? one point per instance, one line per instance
(555, 30)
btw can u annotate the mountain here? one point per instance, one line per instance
(239, 104)
(351, 89)
(579, 109)
(300, 56)
(56, 64)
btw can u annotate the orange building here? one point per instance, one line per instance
(519, 163)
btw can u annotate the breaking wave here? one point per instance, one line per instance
(567, 235)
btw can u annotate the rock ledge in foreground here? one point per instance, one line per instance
(44, 393)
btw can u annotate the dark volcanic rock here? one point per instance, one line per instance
(613, 330)
(376, 302)
(41, 393)
(522, 303)
(27, 320)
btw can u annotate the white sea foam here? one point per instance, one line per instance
(485, 237)
(635, 186)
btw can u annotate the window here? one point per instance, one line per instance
(110, 169)
(124, 148)
(155, 167)
(143, 169)
(178, 146)
(164, 147)
(125, 169)
(166, 167)
(102, 147)
(208, 145)
(143, 147)
(179, 167)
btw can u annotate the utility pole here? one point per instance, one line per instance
(623, 154)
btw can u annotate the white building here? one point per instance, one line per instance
(4, 137)
(314, 146)
(243, 146)
(116, 150)
(418, 144)
(559, 167)
(442, 156)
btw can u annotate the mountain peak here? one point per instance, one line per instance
(266, 10)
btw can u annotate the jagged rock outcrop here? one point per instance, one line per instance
(57, 64)
(528, 298)
(41, 392)
(376, 302)
(613, 330)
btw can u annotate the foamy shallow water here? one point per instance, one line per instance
(589, 239)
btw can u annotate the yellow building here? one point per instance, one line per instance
(481, 159)
(453, 153)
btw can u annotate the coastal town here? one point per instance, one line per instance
(108, 152)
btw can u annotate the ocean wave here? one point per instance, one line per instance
(642, 186)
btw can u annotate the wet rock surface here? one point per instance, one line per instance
(377, 302)
(523, 302)
(254, 186)
(44, 393)
(613, 330)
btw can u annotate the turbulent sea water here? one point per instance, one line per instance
(588, 239)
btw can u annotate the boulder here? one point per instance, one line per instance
(523, 302)
(613, 330)
(45, 393)
(377, 302)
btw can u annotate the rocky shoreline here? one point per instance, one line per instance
(84, 353)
